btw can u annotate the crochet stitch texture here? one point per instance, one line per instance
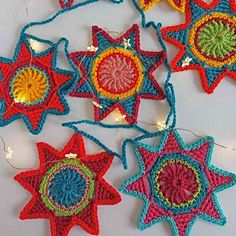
(178, 5)
(207, 41)
(116, 73)
(177, 183)
(68, 187)
(31, 86)
(66, 3)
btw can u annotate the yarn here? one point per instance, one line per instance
(208, 38)
(177, 182)
(32, 86)
(66, 3)
(117, 74)
(68, 187)
(178, 5)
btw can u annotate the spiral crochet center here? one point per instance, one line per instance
(67, 187)
(29, 85)
(177, 183)
(117, 73)
(213, 39)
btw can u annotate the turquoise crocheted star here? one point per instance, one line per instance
(116, 73)
(207, 41)
(177, 183)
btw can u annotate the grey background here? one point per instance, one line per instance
(205, 114)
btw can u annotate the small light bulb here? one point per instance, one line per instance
(36, 46)
(71, 155)
(9, 153)
(161, 125)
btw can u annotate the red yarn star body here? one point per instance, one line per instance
(68, 187)
(31, 86)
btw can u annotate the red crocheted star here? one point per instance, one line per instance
(31, 86)
(116, 73)
(66, 3)
(68, 187)
(207, 41)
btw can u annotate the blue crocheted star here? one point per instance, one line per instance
(177, 182)
(116, 73)
(32, 85)
(207, 41)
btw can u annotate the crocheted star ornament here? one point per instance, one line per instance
(207, 41)
(68, 187)
(178, 5)
(178, 183)
(116, 73)
(66, 3)
(31, 86)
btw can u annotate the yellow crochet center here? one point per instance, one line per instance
(194, 35)
(138, 67)
(29, 86)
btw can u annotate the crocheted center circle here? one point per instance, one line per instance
(177, 183)
(213, 39)
(117, 73)
(29, 86)
(67, 187)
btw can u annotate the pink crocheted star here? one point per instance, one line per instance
(178, 183)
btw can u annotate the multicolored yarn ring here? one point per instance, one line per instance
(32, 86)
(178, 5)
(66, 3)
(116, 73)
(177, 182)
(68, 187)
(207, 41)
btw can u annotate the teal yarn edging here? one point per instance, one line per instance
(73, 126)
(221, 185)
(64, 89)
(168, 87)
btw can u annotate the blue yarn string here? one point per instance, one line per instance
(168, 87)
(122, 156)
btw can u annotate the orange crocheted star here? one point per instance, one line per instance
(68, 187)
(178, 5)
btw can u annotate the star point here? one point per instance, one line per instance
(209, 43)
(126, 43)
(118, 76)
(178, 185)
(33, 88)
(68, 174)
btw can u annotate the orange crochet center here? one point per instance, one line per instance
(117, 73)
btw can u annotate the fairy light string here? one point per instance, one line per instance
(168, 87)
